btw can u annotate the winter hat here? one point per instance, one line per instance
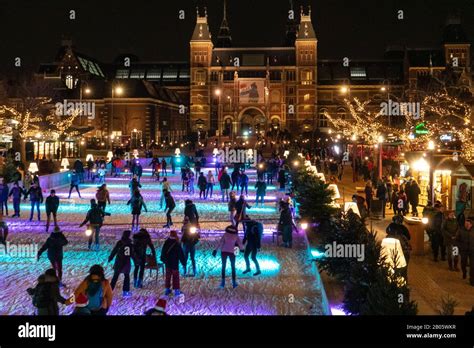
(231, 229)
(161, 304)
(82, 300)
(56, 229)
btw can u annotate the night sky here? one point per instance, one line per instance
(359, 29)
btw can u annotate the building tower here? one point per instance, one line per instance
(306, 62)
(456, 45)
(200, 62)
(223, 38)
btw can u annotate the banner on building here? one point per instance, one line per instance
(251, 92)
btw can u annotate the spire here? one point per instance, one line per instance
(291, 27)
(306, 30)
(223, 38)
(201, 30)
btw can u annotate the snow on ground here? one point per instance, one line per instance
(286, 285)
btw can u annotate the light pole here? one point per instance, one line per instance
(431, 147)
(380, 141)
(118, 90)
(218, 93)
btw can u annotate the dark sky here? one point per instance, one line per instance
(32, 29)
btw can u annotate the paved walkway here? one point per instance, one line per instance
(429, 281)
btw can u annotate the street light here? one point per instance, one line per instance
(380, 140)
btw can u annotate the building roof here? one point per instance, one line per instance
(201, 30)
(306, 30)
(258, 56)
(425, 57)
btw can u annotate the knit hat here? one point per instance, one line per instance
(56, 229)
(231, 229)
(161, 304)
(82, 300)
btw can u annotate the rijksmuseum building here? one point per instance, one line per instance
(227, 90)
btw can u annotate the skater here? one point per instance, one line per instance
(190, 237)
(4, 196)
(3, 231)
(169, 207)
(235, 178)
(172, 255)
(122, 252)
(141, 241)
(252, 240)
(165, 187)
(286, 225)
(95, 217)
(202, 184)
(210, 184)
(241, 210)
(16, 192)
(51, 206)
(282, 179)
(134, 185)
(137, 203)
(46, 294)
(163, 167)
(450, 230)
(160, 307)
(36, 198)
(103, 197)
(227, 244)
(74, 183)
(224, 182)
(232, 208)
(138, 170)
(244, 183)
(98, 291)
(54, 245)
(190, 212)
(191, 182)
(81, 304)
(101, 172)
(261, 189)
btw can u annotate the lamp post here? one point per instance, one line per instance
(115, 90)
(380, 141)
(431, 147)
(218, 93)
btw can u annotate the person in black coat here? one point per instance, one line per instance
(95, 217)
(436, 235)
(202, 184)
(74, 183)
(36, 198)
(54, 245)
(46, 294)
(190, 237)
(191, 212)
(122, 252)
(172, 255)
(169, 207)
(282, 179)
(51, 206)
(252, 240)
(141, 241)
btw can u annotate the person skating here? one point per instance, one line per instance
(224, 182)
(16, 192)
(97, 289)
(164, 172)
(282, 179)
(235, 178)
(4, 196)
(190, 237)
(191, 182)
(141, 241)
(133, 186)
(286, 225)
(227, 245)
(252, 240)
(137, 203)
(241, 210)
(51, 206)
(190, 211)
(160, 307)
(210, 184)
(436, 237)
(202, 184)
(165, 187)
(74, 183)
(171, 256)
(3, 231)
(36, 199)
(46, 294)
(244, 183)
(169, 207)
(465, 242)
(232, 208)
(138, 170)
(103, 196)
(54, 246)
(123, 253)
(95, 217)
(450, 229)
(261, 189)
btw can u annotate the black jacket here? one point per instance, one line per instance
(189, 238)
(35, 194)
(95, 216)
(225, 181)
(253, 234)
(285, 217)
(172, 254)
(191, 212)
(141, 241)
(123, 252)
(54, 244)
(52, 204)
(170, 204)
(465, 240)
